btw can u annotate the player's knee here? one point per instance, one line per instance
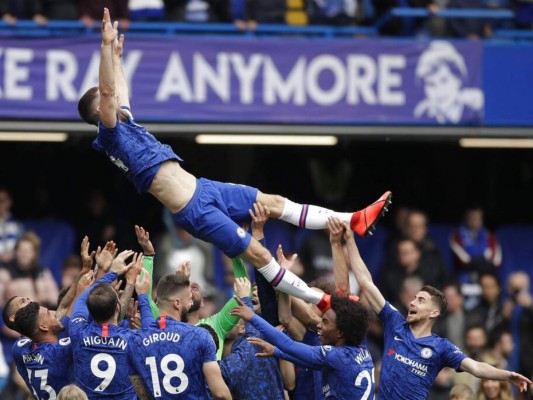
(257, 254)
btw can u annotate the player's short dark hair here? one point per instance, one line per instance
(352, 319)
(323, 283)
(102, 302)
(169, 285)
(438, 298)
(87, 108)
(27, 319)
(7, 312)
(212, 332)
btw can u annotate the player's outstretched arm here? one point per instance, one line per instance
(340, 269)
(362, 274)
(106, 79)
(121, 85)
(487, 371)
(215, 382)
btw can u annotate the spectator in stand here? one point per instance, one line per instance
(91, 12)
(56, 10)
(409, 262)
(70, 269)
(489, 312)
(410, 286)
(461, 392)
(10, 231)
(476, 250)
(97, 219)
(13, 10)
(501, 347)
(28, 277)
(518, 311)
(475, 342)
(469, 28)
(332, 12)
(10, 228)
(247, 14)
(494, 390)
(453, 324)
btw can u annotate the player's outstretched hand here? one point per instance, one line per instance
(268, 349)
(242, 287)
(86, 258)
(519, 380)
(284, 262)
(142, 284)
(85, 281)
(119, 263)
(143, 237)
(242, 310)
(109, 31)
(184, 270)
(336, 229)
(104, 257)
(259, 216)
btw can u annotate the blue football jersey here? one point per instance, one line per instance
(347, 371)
(410, 365)
(308, 380)
(133, 150)
(100, 362)
(169, 357)
(45, 367)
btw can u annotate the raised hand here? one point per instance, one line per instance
(109, 31)
(348, 233)
(284, 262)
(259, 216)
(336, 230)
(133, 315)
(184, 269)
(142, 284)
(143, 237)
(86, 258)
(119, 263)
(242, 310)
(268, 349)
(242, 287)
(85, 281)
(132, 273)
(118, 46)
(519, 380)
(104, 257)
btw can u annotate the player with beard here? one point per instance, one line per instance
(222, 322)
(171, 357)
(413, 355)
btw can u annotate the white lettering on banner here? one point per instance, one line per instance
(388, 80)
(357, 79)
(15, 73)
(91, 75)
(61, 70)
(275, 87)
(316, 67)
(246, 74)
(174, 81)
(362, 75)
(217, 78)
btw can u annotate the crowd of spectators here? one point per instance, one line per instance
(246, 14)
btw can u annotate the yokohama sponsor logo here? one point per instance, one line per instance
(411, 363)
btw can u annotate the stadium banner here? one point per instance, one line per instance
(271, 80)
